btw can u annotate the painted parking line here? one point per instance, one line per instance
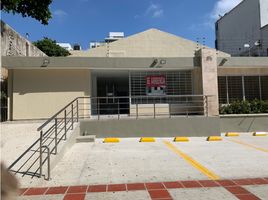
(248, 145)
(193, 162)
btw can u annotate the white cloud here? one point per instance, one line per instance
(222, 7)
(59, 13)
(154, 10)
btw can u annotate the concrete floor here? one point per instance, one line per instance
(131, 162)
(16, 138)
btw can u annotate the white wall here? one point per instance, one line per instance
(264, 12)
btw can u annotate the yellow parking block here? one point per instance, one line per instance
(259, 134)
(147, 139)
(231, 134)
(181, 139)
(111, 140)
(214, 138)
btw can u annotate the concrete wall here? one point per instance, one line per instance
(244, 123)
(238, 27)
(210, 80)
(13, 44)
(179, 126)
(41, 93)
(264, 33)
(150, 43)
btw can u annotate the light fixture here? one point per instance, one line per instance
(163, 62)
(45, 63)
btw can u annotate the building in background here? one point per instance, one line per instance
(244, 30)
(66, 46)
(113, 36)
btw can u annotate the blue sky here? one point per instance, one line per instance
(82, 21)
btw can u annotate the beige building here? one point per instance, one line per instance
(152, 70)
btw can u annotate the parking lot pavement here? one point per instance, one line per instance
(162, 169)
(230, 159)
(130, 161)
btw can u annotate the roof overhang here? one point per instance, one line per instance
(98, 63)
(243, 62)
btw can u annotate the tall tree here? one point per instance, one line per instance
(37, 9)
(50, 47)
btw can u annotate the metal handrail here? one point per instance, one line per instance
(48, 161)
(65, 118)
(54, 116)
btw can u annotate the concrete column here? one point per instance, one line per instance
(210, 79)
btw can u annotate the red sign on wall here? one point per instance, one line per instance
(155, 81)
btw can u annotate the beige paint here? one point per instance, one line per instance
(148, 109)
(254, 71)
(150, 43)
(41, 93)
(210, 80)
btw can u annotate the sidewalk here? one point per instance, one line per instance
(244, 189)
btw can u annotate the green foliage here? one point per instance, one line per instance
(49, 47)
(245, 107)
(37, 9)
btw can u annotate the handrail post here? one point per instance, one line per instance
(56, 135)
(154, 109)
(48, 162)
(187, 107)
(169, 109)
(65, 124)
(40, 159)
(206, 97)
(98, 107)
(137, 110)
(118, 109)
(77, 110)
(72, 116)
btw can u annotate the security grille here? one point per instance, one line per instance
(222, 89)
(233, 88)
(177, 82)
(264, 87)
(252, 88)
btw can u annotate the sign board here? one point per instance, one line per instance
(155, 85)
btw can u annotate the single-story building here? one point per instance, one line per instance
(151, 69)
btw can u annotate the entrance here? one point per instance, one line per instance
(113, 95)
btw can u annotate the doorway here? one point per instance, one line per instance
(113, 95)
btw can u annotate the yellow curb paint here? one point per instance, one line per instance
(259, 134)
(214, 138)
(147, 139)
(249, 145)
(193, 162)
(231, 134)
(111, 140)
(181, 139)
